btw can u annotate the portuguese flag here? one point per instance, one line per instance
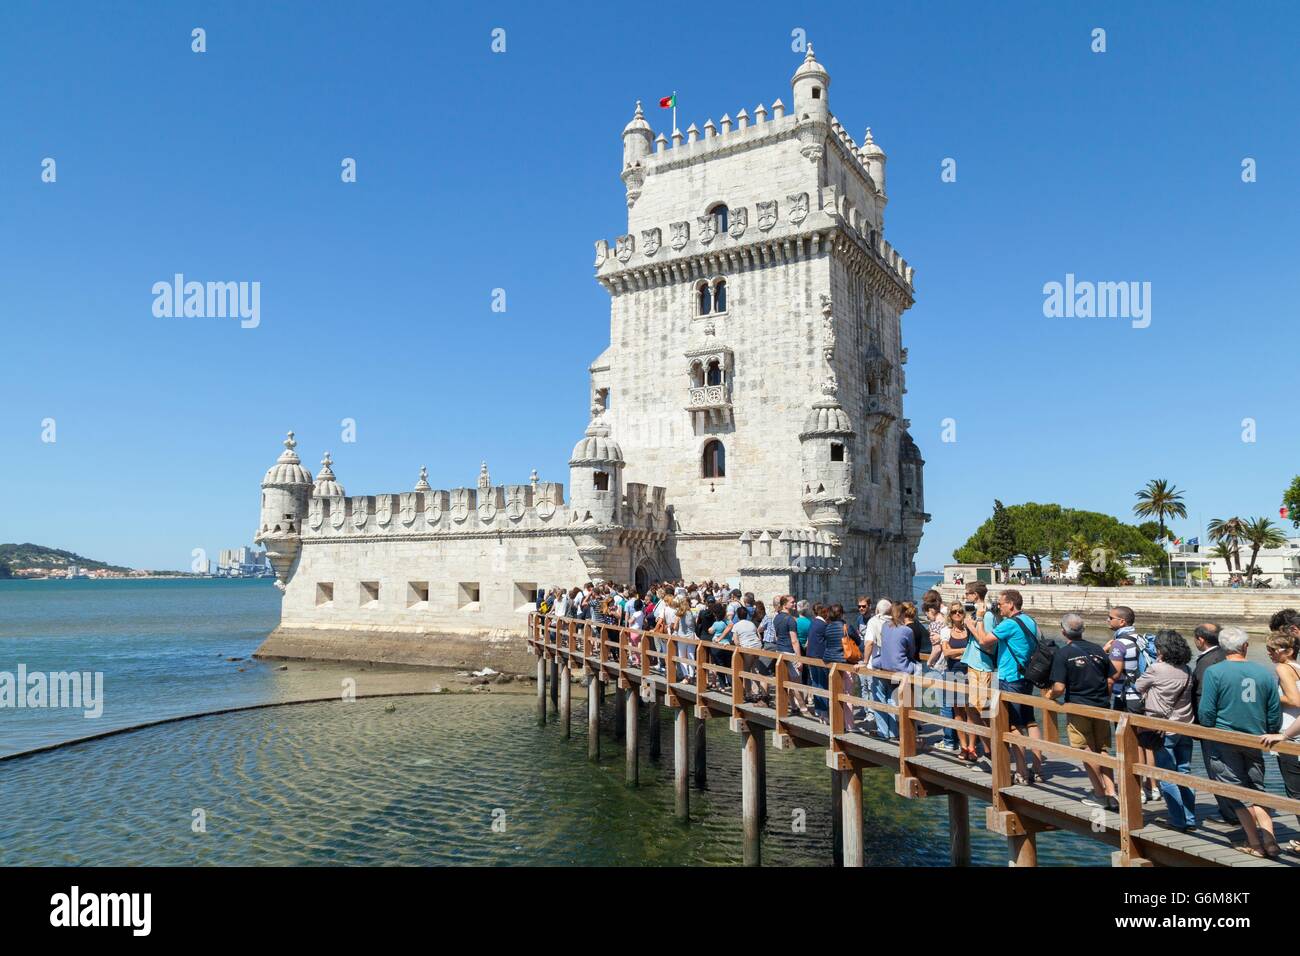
(668, 102)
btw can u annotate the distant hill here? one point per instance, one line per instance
(18, 557)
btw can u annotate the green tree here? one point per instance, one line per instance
(1292, 501)
(1045, 531)
(1228, 532)
(1260, 533)
(1003, 545)
(1160, 500)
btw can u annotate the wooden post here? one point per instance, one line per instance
(837, 818)
(630, 707)
(959, 828)
(620, 701)
(851, 813)
(762, 777)
(681, 772)
(701, 754)
(594, 687)
(654, 728)
(555, 684)
(541, 689)
(566, 699)
(1129, 788)
(1022, 850)
(751, 741)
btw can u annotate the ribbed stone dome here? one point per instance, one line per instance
(596, 447)
(826, 418)
(910, 451)
(288, 469)
(810, 67)
(326, 486)
(638, 123)
(870, 147)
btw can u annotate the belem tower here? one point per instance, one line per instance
(746, 419)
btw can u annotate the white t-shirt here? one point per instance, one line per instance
(746, 634)
(669, 616)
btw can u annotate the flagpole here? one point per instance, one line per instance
(674, 112)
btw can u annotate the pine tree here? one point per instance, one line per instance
(1003, 548)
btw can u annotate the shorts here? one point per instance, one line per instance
(1019, 715)
(981, 685)
(1239, 766)
(1088, 733)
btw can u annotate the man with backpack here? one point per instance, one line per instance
(1130, 655)
(1013, 642)
(1081, 674)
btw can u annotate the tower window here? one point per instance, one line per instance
(875, 466)
(714, 374)
(817, 92)
(602, 398)
(720, 296)
(837, 451)
(719, 214)
(715, 460)
(600, 480)
(706, 299)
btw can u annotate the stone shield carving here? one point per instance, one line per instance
(739, 222)
(360, 512)
(602, 251)
(798, 208)
(708, 227)
(433, 508)
(650, 239)
(516, 501)
(316, 516)
(384, 510)
(546, 509)
(460, 504)
(623, 248)
(766, 215)
(487, 511)
(408, 508)
(338, 512)
(681, 234)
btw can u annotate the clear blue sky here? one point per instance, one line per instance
(479, 170)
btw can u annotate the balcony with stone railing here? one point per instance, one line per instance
(713, 402)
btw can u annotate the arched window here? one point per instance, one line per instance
(706, 299)
(715, 460)
(720, 296)
(719, 214)
(714, 374)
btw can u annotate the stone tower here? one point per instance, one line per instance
(286, 488)
(755, 364)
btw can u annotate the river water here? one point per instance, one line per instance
(454, 778)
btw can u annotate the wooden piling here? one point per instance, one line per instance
(837, 819)
(762, 777)
(541, 690)
(566, 700)
(751, 743)
(701, 754)
(620, 709)
(654, 728)
(851, 814)
(593, 718)
(555, 685)
(959, 828)
(1022, 850)
(681, 770)
(630, 709)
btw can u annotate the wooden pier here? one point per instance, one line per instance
(603, 653)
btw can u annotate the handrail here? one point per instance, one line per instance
(1125, 762)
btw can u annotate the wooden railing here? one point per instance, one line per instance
(687, 662)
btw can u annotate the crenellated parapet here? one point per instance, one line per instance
(788, 550)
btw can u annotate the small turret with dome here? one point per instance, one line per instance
(285, 491)
(811, 84)
(596, 473)
(326, 486)
(826, 461)
(637, 143)
(873, 158)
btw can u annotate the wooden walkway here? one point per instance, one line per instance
(1140, 836)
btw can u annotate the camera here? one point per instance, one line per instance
(970, 608)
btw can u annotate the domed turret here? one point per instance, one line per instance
(596, 473)
(423, 483)
(326, 486)
(811, 82)
(285, 491)
(826, 461)
(637, 138)
(873, 157)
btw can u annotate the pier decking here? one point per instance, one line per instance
(609, 654)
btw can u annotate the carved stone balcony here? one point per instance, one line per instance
(711, 402)
(880, 412)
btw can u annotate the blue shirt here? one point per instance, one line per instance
(816, 639)
(833, 642)
(897, 647)
(1014, 647)
(785, 627)
(975, 656)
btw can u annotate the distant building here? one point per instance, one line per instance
(241, 563)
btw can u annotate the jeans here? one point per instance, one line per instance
(1289, 766)
(1176, 754)
(886, 724)
(1226, 811)
(819, 677)
(949, 735)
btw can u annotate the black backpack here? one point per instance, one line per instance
(1038, 668)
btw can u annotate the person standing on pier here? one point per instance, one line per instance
(1283, 649)
(1242, 696)
(1128, 650)
(1011, 643)
(878, 688)
(1166, 690)
(816, 648)
(1209, 653)
(1081, 675)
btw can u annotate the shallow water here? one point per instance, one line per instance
(336, 783)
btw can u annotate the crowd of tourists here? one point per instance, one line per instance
(978, 646)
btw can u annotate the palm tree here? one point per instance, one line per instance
(1223, 551)
(1260, 533)
(1228, 531)
(1160, 500)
